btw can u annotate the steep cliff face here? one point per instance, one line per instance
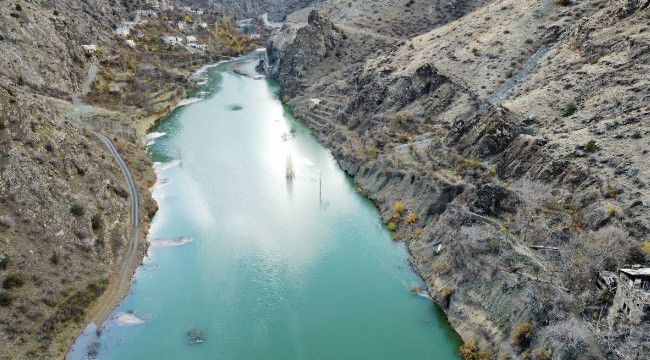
(507, 149)
(300, 50)
(64, 207)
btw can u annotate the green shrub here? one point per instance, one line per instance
(77, 210)
(591, 146)
(563, 2)
(5, 298)
(570, 109)
(611, 212)
(75, 306)
(13, 281)
(54, 259)
(391, 226)
(96, 222)
(4, 262)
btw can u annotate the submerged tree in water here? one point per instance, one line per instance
(195, 336)
(290, 172)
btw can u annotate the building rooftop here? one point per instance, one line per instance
(636, 271)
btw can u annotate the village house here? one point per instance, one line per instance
(90, 48)
(191, 40)
(122, 31)
(172, 40)
(146, 14)
(159, 4)
(632, 299)
(130, 43)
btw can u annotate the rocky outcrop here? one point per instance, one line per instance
(294, 52)
(517, 193)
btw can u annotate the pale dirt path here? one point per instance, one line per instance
(120, 280)
(372, 34)
(353, 29)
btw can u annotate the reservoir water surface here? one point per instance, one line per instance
(255, 265)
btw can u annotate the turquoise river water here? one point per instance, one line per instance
(262, 267)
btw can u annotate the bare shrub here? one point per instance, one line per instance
(541, 353)
(608, 247)
(534, 193)
(479, 239)
(398, 207)
(411, 218)
(521, 335)
(534, 196)
(570, 339)
(405, 117)
(471, 351)
(586, 254)
(7, 221)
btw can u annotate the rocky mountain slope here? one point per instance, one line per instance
(64, 209)
(76, 97)
(276, 9)
(505, 143)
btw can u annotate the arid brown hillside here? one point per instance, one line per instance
(506, 145)
(64, 210)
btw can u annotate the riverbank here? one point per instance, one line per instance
(292, 270)
(119, 282)
(480, 174)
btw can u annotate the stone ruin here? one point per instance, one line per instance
(632, 299)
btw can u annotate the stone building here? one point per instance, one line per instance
(632, 299)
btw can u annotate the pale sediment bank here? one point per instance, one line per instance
(81, 337)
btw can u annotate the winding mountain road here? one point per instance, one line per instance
(120, 280)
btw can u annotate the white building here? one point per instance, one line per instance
(146, 14)
(130, 43)
(191, 40)
(123, 31)
(172, 40)
(90, 48)
(246, 23)
(159, 4)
